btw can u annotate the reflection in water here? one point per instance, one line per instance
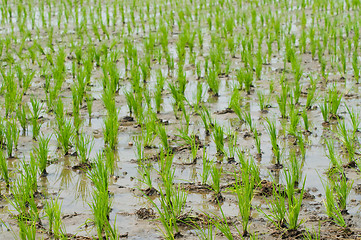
(65, 177)
(43, 185)
(82, 187)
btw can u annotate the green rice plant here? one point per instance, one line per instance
(282, 100)
(199, 94)
(232, 143)
(42, 152)
(178, 97)
(257, 141)
(2, 133)
(324, 111)
(59, 113)
(194, 148)
(335, 161)
(248, 119)
(206, 119)
(52, 210)
(144, 171)
(101, 203)
(261, 99)
(248, 80)
(342, 188)
(294, 203)
(11, 91)
(294, 120)
(277, 207)
(162, 133)
(218, 137)
(305, 120)
(172, 198)
(334, 101)
(206, 233)
(83, 146)
(213, 82)
(355, 119)
(26, 231)
(216, 174)
(110, 159)
(111, 126)
(271, 129)
(35, 114)
(64, 135)
(22, 117)
(313, 235)
(12, 137)
(139, 147)
(348, 139)
(295, 167)
(311, 97)
(207, 167)
(235, 104)
(4, 169)
(21, 194)
(333, 210)
(244, 190)
(158, 98)
(222, 225)
(23, 190)
(355, 66)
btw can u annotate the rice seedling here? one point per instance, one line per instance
(213, 82)
(216, 174)
(313, 234)
(244, 190)
(218, 137)
(277, 207)
(4, 169)
(271, 129)
(22, 117)
(294, 202)
(334, 101)
(42, 152)
(342, 188)
(335, 161)
(12, 137)
(205, 233)
(101, 203)
(83, 146)
(222, 225)
(65, 134)
(52, 210)
(35, 114)
(111, 126)
(324, 111)
(207, 167)
(311, 97)
(305, 120)
(333, 210)
(248, 119)
(347, 138)
(354, 119)
(261, 99)
(162, 133)
(26, 231)
(232, 144)
(294, 120)
(282, 99)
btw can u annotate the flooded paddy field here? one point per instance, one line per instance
(164, 119)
